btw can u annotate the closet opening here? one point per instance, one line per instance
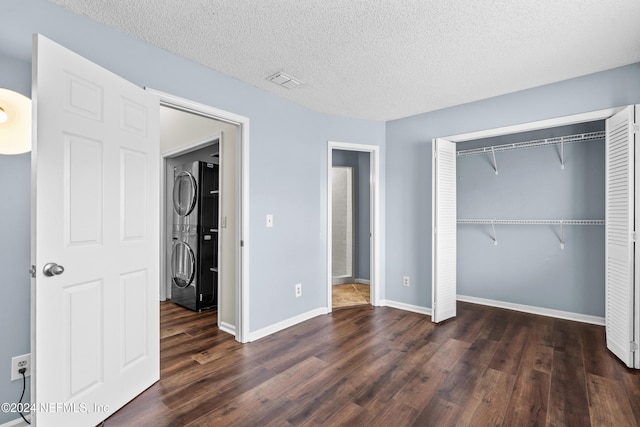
(445, 203)
(530, 219)
(585, 208)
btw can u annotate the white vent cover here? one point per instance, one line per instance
(284, 80)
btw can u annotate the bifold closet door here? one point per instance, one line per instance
(619, 230)
(443, 271)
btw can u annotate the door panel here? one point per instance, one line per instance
(95, 212)
(133, 182)
(83, 335)
(444, 230)
(133, 292)
(84, 194)
(619, 219)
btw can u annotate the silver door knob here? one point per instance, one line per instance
(52, 269)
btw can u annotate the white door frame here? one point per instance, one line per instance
(525, 127)
(374, 174)
(242, 255)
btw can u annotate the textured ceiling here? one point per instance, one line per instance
(386, 59)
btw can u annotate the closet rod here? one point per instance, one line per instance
(532, 221)
(582, 137)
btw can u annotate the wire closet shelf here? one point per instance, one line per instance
(532, 221)
(561, 140)
(560, 222)
(582, 137)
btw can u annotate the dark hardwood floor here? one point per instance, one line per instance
(379, 366)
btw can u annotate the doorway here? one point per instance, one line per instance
(353, 225)
(191, 131)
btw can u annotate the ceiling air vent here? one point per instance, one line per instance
(284, 80)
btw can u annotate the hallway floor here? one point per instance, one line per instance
(350, 294)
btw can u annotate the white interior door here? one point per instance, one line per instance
(95, 340)
(620, 219)
(443, 280)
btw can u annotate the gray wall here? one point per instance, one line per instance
(288, 167)
(15, 232)
(528, 265)
(360, 163)
(408, 203)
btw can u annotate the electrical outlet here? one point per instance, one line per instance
(406, 281)
(18, 363)
(269, 220)
(298, 290)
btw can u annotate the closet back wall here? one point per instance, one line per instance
(528, 265)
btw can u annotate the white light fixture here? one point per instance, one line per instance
(15, 122)
(284, 80)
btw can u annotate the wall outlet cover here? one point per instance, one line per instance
(19, 362)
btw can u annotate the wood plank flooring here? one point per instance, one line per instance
(379, 366)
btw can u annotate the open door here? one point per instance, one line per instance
(95, 226)
(444, 221)
(620, 228)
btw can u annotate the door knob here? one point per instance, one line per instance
(52, 269)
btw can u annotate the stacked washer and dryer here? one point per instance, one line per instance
(194, 256)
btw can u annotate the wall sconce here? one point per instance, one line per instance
(15, 122)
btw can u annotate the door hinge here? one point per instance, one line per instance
(633, 346)
(32, 271)
(635, 127)
(435, 230)
(634, 236)
(242, 243)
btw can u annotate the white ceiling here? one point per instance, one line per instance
(386, 59)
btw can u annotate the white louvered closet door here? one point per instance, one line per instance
(443, 279)
(620, 219)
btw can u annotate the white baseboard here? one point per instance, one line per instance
(567, 315)
(225, 327)
(261, 333)
(18, 422)
(407, 307)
